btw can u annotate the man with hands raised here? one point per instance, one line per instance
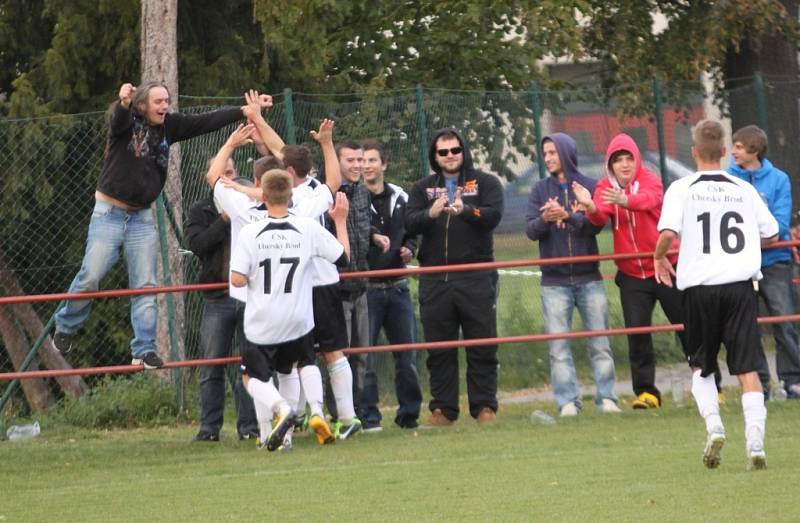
(140, 132)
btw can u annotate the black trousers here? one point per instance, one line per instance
(468, 304)
(638, 298)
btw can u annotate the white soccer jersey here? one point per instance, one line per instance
(311, 199)
(276, 255)
(242, 210)
(721, 221)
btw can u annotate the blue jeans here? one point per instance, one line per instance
(557, 306)
(391, 309)
(777, 290)
(110, 230)
(223, 319)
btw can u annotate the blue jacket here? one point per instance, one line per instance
(776, 190)
(578, 238)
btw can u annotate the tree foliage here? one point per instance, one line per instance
(345, 46)
(698, 38)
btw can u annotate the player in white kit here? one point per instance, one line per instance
(273, 260)
(722, 223)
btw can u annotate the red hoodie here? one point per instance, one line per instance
(635, 227)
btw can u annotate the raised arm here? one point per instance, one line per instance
(333, 174)
(252, 111)
(338, 214)
(239, 137)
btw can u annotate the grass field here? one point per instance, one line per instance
(637, 466)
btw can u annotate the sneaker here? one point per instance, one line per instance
(438, 420)
(712, 454)
(645, 400)
(569, 410)
(205, 435)
(322, 430)
(287, 444)
(609, 406)
(251, 434)
(486, 416)
(407, 424)
(150, 360)
(279, 432)
(372, 426)
(347, 431)
(793, 391)
(756, 457)
(62, 341)
(301, 422)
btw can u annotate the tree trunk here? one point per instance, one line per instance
(17, 346)
(26, 316)
(160, 62)
(776, 59)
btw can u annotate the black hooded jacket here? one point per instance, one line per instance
(466, 238)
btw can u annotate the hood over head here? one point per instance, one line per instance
(623, 142)
(466, 166)
(567, 153)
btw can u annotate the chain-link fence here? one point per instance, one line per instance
(49, 167)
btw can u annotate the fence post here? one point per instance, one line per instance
(536, 109)
(662, 152)
(12, 386)
(761, 101)
(173, 336)
(289, 115)
(422, 132)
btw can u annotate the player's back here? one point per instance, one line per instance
(312, 199)
(721, 221)
(278, 254)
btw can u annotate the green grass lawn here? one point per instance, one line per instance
(637, 466)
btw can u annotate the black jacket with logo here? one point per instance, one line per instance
(466, 238)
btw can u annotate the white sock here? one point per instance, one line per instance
(311, 379)
(264, 417)
(341, 377)
(704, 391)
(289, 387)
(266, 393)
(755, 418)
(301, 402)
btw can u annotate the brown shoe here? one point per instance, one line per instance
(438, 420)
(486, 416)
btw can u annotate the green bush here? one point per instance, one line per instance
(139, 400)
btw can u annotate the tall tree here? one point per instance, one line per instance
(159, 45)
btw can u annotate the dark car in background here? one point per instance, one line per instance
(516, 192)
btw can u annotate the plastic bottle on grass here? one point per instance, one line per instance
(542, 418)
(23, 432)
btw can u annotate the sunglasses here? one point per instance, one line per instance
(453, 150)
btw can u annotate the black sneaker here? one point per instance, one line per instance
(204, 435)
(62, 342)
(283, 425)
(407, 423)
(372, 426)
(151, 361)
(251, 434)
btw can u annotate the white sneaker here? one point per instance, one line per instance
(712, 454)
(568, 410)
(609, 406)
(756, 457)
